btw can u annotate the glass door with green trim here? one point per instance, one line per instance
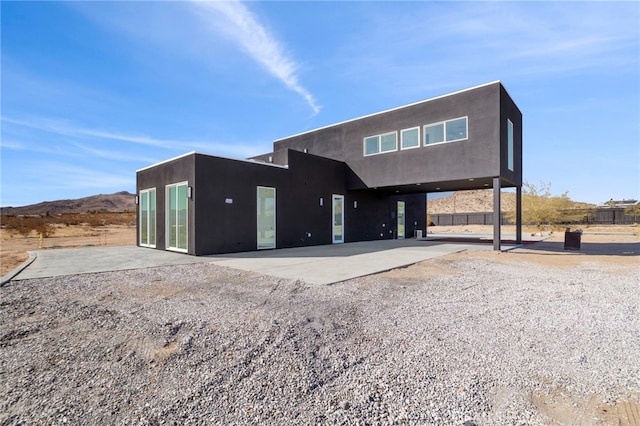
(400, 216)
(266, 212)
(147, 209)
(177, 217)
(338, 219)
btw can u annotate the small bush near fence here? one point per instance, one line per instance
(46, 225)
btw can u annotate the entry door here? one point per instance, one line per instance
(338, 219)
(400, 217)
(147, 201)
(266, 217)
(177, 217)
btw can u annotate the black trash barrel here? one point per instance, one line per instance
(572, 239)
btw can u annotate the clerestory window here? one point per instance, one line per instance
(379, 144)
(446, 131)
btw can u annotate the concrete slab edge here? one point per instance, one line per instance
(405, 265)
(12, 274)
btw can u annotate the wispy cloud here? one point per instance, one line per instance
(68, 129)
(108, 154)
(244, 29)
(466, 43)
(9, 144)
(63, 175)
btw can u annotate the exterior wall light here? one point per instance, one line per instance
(189, 192)
(355, 204)
(137, 200)
(321, 201)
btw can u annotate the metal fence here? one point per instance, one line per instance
(601, 216)
(451, 219)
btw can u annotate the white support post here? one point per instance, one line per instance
(518, 215)
(426, 212)
(496, 214)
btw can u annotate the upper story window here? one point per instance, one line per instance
(446, 131)
(371, 145)
(410, 138)
(378, 144)
(510, 159)
(434, 133)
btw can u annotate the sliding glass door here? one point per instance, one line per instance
(147, 210)
(177, 217)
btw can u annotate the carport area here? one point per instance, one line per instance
(323, 265)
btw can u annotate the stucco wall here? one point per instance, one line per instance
(173, 171)
(223, 208)
(479, 156)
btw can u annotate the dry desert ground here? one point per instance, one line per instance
(14, 247)
(532, 336)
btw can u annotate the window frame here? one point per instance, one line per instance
(168, 245)
(379, 138)
(402, 132)
(510, 150)
(395, 146)
(444, 131)
(466, 129)
(151, 226)
(364, 145)
(274, 191)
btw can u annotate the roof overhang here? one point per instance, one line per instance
(445, 186)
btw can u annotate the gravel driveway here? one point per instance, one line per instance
(485, 339)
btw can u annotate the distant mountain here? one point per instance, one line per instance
(477, 201)
(118, 202)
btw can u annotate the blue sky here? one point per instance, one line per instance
(92, 91)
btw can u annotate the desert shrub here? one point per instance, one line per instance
(44, 228)
(542, 209)
(96, 219)
(109, 218)
(16, 224)
(46, 225)
(71, 219)
(633, 211)
(429, 221)
(25, 225)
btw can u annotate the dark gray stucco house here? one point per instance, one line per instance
(362, 179)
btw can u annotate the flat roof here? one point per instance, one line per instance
(261, 163)
(389, 110)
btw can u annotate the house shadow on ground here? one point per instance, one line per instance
(587, 248)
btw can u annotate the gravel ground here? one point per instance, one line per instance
(460, 340)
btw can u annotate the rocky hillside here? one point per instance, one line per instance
(477, 201)
(118, 202)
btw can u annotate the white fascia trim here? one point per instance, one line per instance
(212, 155)
(166, 161)
(389, 110)
(261, 163)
